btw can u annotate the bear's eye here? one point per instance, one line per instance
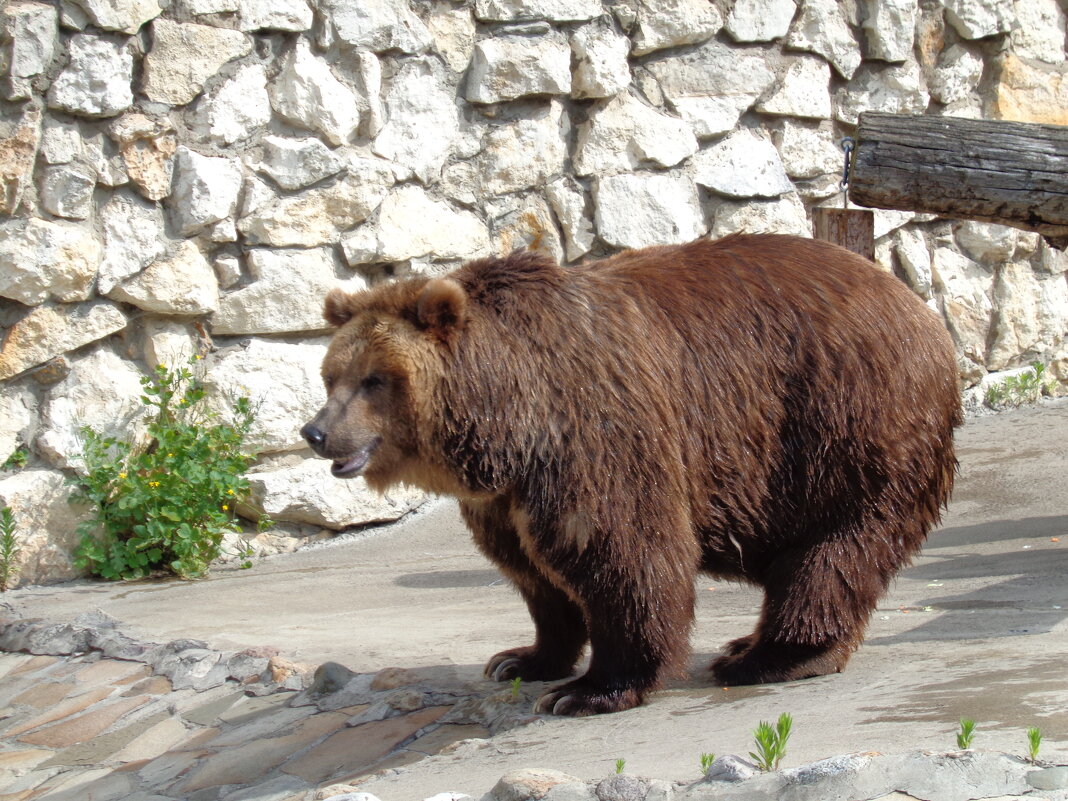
(373, 382)
(328, 382)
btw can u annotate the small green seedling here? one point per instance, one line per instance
(771, 742)
(966, 733)
(620, 764)
(9, 549)
(517, 682)
(706, 762)
(1034, 742)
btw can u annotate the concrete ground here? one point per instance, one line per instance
(976, 628)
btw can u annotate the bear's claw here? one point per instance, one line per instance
(504, 670)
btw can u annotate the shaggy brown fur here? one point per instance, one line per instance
(764, 408)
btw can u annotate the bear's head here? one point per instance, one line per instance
(385, 358)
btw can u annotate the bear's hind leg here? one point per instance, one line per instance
(817, 604)
(559, 625)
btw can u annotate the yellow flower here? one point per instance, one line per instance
(226, 508)
(122, 475)
(199, 357)
(229, 492)
(170, 455)
(153, 483)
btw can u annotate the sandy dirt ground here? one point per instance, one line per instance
(975, 628)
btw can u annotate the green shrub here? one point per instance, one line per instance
(9, 549)
(17, 460)
(966, 733)
(164, 506)
(1034, 742)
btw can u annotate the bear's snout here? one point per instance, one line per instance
(315, 436)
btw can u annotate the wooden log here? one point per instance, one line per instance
(853, 229)
(994, 171)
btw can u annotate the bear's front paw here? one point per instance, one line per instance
(577, 699)
(528, 664)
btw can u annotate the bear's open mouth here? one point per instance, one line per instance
(347, 468)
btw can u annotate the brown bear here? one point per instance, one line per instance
(763, 408)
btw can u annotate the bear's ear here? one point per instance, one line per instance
(442, 306)
(337, 309)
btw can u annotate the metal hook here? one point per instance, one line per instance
(847, 143)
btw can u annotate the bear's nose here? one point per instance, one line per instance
(316, 437)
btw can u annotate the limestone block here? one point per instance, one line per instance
(510, 67)
(281, 379)
(237, 108)
(205, 190)
(988, 243)
(274, 15)
(742, 165)
(623, 133)
(184, 55)
(1030, 315)
(712, 85)
(298, 163)
(526, 153)
(167, 342)
(760, 20)
(964, 289)
(956, 76)
(40, 259)
(807, 152)
(18, 150)
(180, 284)
(18, 413)
(1039, 30)
(822, 28)
(286, 293)
(571, 207)
(803, 92)
(227, 270)
(784, 215)
(307, 94)
(134, 236)
(914, 257)
(102, 392)
(636, 210)
(524, 223)
(46, 524)
(67, 190)
(61, 143)
(672, 23)
(28, 31)
(452, 31)
(318, 215)
(422, 119)
(50, 331)
(976, 19)
(442, 232)
(1027, 92)
(895, 90)
(103, 156)
(377, 25)
(601, 66)
(553, 10)
(889, 29)
(126, 16)
(147, 146)
(96, 81)
(308, 494)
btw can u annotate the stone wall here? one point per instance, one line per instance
(191, 177)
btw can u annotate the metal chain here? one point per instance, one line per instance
(847, 143)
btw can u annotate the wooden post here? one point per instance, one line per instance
(853, 229)
(1004, 172)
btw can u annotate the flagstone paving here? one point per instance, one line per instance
(176, 724)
